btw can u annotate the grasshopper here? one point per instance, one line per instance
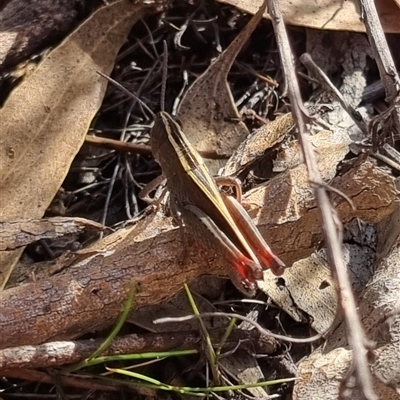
(214, 218)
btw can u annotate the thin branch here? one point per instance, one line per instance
(260, 329)
(383, 58)
(118, 145)
(356, 335)
(325, 82)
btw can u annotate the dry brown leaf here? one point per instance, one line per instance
(328, 14)
(244, 367)
(257, 143)
(208, 113)
(321, 373)
(45, 120)
(306, 289)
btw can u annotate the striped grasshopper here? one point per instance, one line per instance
(214, 218)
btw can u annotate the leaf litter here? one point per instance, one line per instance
(45, 120)
(152, 96)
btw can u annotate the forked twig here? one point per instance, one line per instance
(380, 49)
(242, 318)
(356, 336)
(383, 58)
(324, 81)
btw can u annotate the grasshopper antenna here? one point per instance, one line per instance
(164, 75)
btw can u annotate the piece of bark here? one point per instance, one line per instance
(292, 226)
(54, 354)
(17, 234)
(90, 295)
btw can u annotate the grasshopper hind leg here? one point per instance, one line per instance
(242, 271)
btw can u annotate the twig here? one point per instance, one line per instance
(164, 75)
(242, 318)
(330, 188)
(392, 152)
(387, 160)
(59, 353)
(127, 92)
(325, 82)
(43, 377)
(383, 58)
(356, 335)
(123, 147)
